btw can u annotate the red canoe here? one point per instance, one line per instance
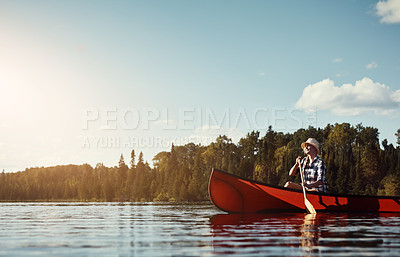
(231, 193)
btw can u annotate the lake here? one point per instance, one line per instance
(184, 229)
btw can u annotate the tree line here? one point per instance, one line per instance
(356, 164)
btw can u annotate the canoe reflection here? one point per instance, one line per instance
(265, 233)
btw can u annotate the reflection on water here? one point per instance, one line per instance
(257, 234)
(307, 234)
(148, 229)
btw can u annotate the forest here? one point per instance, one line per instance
(357, 163)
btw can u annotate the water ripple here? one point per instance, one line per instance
(148, 229)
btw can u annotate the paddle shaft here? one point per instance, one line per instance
(307, 203)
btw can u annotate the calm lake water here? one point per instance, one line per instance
(150, 229)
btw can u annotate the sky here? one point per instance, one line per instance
(87, 81)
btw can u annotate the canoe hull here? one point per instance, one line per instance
(233, 194)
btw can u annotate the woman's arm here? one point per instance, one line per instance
(313, 185)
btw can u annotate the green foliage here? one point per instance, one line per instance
(356, 164)
(398, 136)
(390, 185)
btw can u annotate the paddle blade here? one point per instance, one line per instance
(309, 207)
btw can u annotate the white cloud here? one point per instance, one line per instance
(371, 65)
(364, 96)
(396, 96)
(336, 60)
(389, 11)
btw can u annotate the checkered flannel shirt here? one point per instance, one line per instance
(314, 172)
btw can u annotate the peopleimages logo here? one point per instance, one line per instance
(113, 118)
(114, 127)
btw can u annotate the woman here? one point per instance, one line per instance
(313, 166)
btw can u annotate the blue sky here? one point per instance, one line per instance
(87, 81)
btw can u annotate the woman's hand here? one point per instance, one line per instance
(293, 170)
(298, 160)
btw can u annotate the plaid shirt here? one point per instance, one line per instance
(314, 172)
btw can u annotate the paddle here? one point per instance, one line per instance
(310, 209)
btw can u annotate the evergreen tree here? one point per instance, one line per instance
(355, 164)
(121, 163)
(132, 160)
